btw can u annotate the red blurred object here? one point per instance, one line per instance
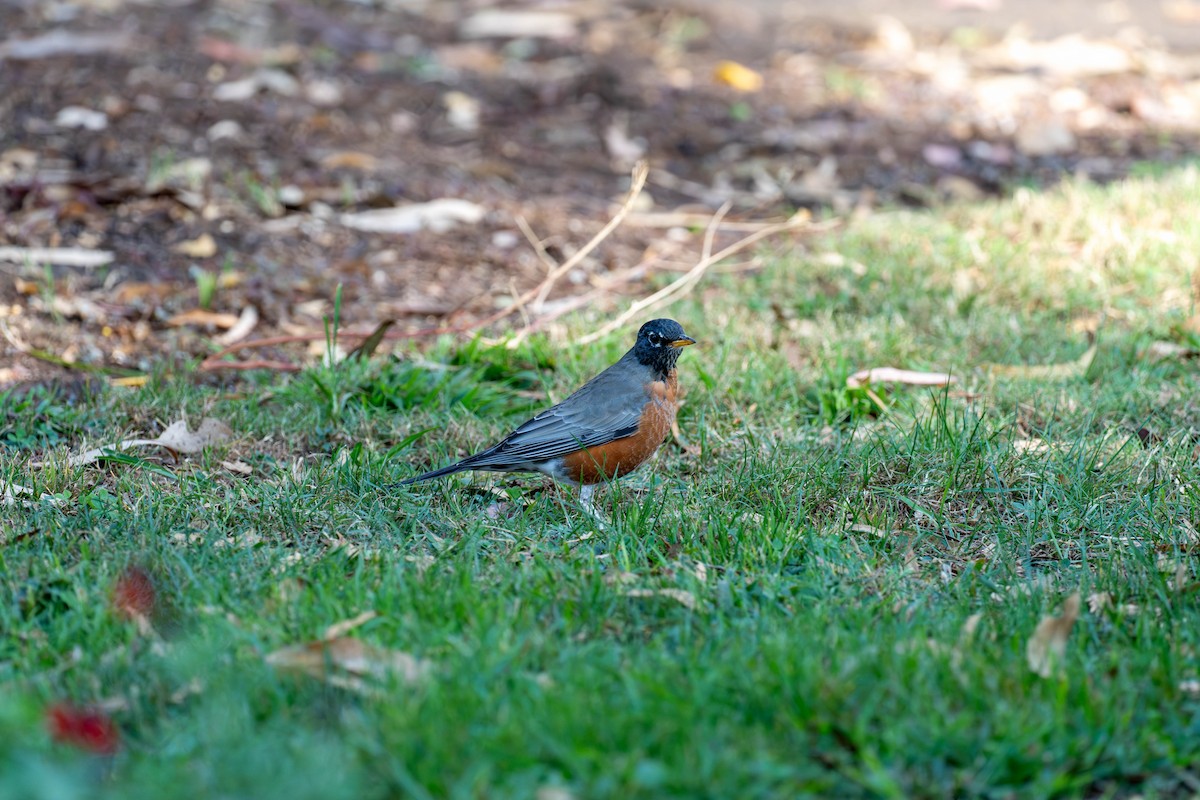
(134, 596)
(86, 729)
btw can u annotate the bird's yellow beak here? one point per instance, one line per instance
(684, 342)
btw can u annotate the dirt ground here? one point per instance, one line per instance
(212, 171)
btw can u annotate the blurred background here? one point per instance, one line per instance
(210, 171)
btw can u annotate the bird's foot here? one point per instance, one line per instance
(586, 494)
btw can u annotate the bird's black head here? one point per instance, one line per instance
(658, 344)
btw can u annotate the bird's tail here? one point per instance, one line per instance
(437, 473)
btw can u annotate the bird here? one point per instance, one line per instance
(608, 428)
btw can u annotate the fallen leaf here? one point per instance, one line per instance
(63, 42)
(134, 594)
(203, 246)
(240, 467)
(681, 596)
(462, 110)
(350, 159)
(1072, 55)
(1164, 351)
(517, 25)
(1047, 647)
(176, 437)
(58, 256)
(135, 598)
(621, 148)
(967, 634)
(246, 322)
(339, 629)
(200, 317)
(80, 117)
(87, 729)
(1047, 137)
(1070, 369)
(344, 662)
(10, 492)
(738, 77)
(901, 376)
(551, 792)
(869, 529)
(438, 216)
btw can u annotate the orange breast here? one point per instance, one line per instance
(622, 456)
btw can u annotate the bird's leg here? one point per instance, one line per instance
(586, 492)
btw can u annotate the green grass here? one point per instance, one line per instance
(822, 554)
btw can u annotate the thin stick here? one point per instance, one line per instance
(606, 286)
(637, 181)
(536, 244)
(275, 366)
(710, 233)
(684, 282)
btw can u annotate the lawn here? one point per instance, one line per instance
(817, 591)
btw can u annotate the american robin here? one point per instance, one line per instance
(606, 429)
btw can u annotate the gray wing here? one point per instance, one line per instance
(606, 408)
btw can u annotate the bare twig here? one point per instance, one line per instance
(638, 180)
(607, 285)
(536, 244)
(690, 219)
(274, 366)
(681, 285)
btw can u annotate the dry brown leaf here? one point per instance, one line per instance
(1047, 647)
(681, 596)
(344, 662)
(176, 437)
(350, 159)
(246, 322)
(203, 246)
(200, 317)
(240, 467)
(906, 377)
(339, 629)
(1070, 369)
